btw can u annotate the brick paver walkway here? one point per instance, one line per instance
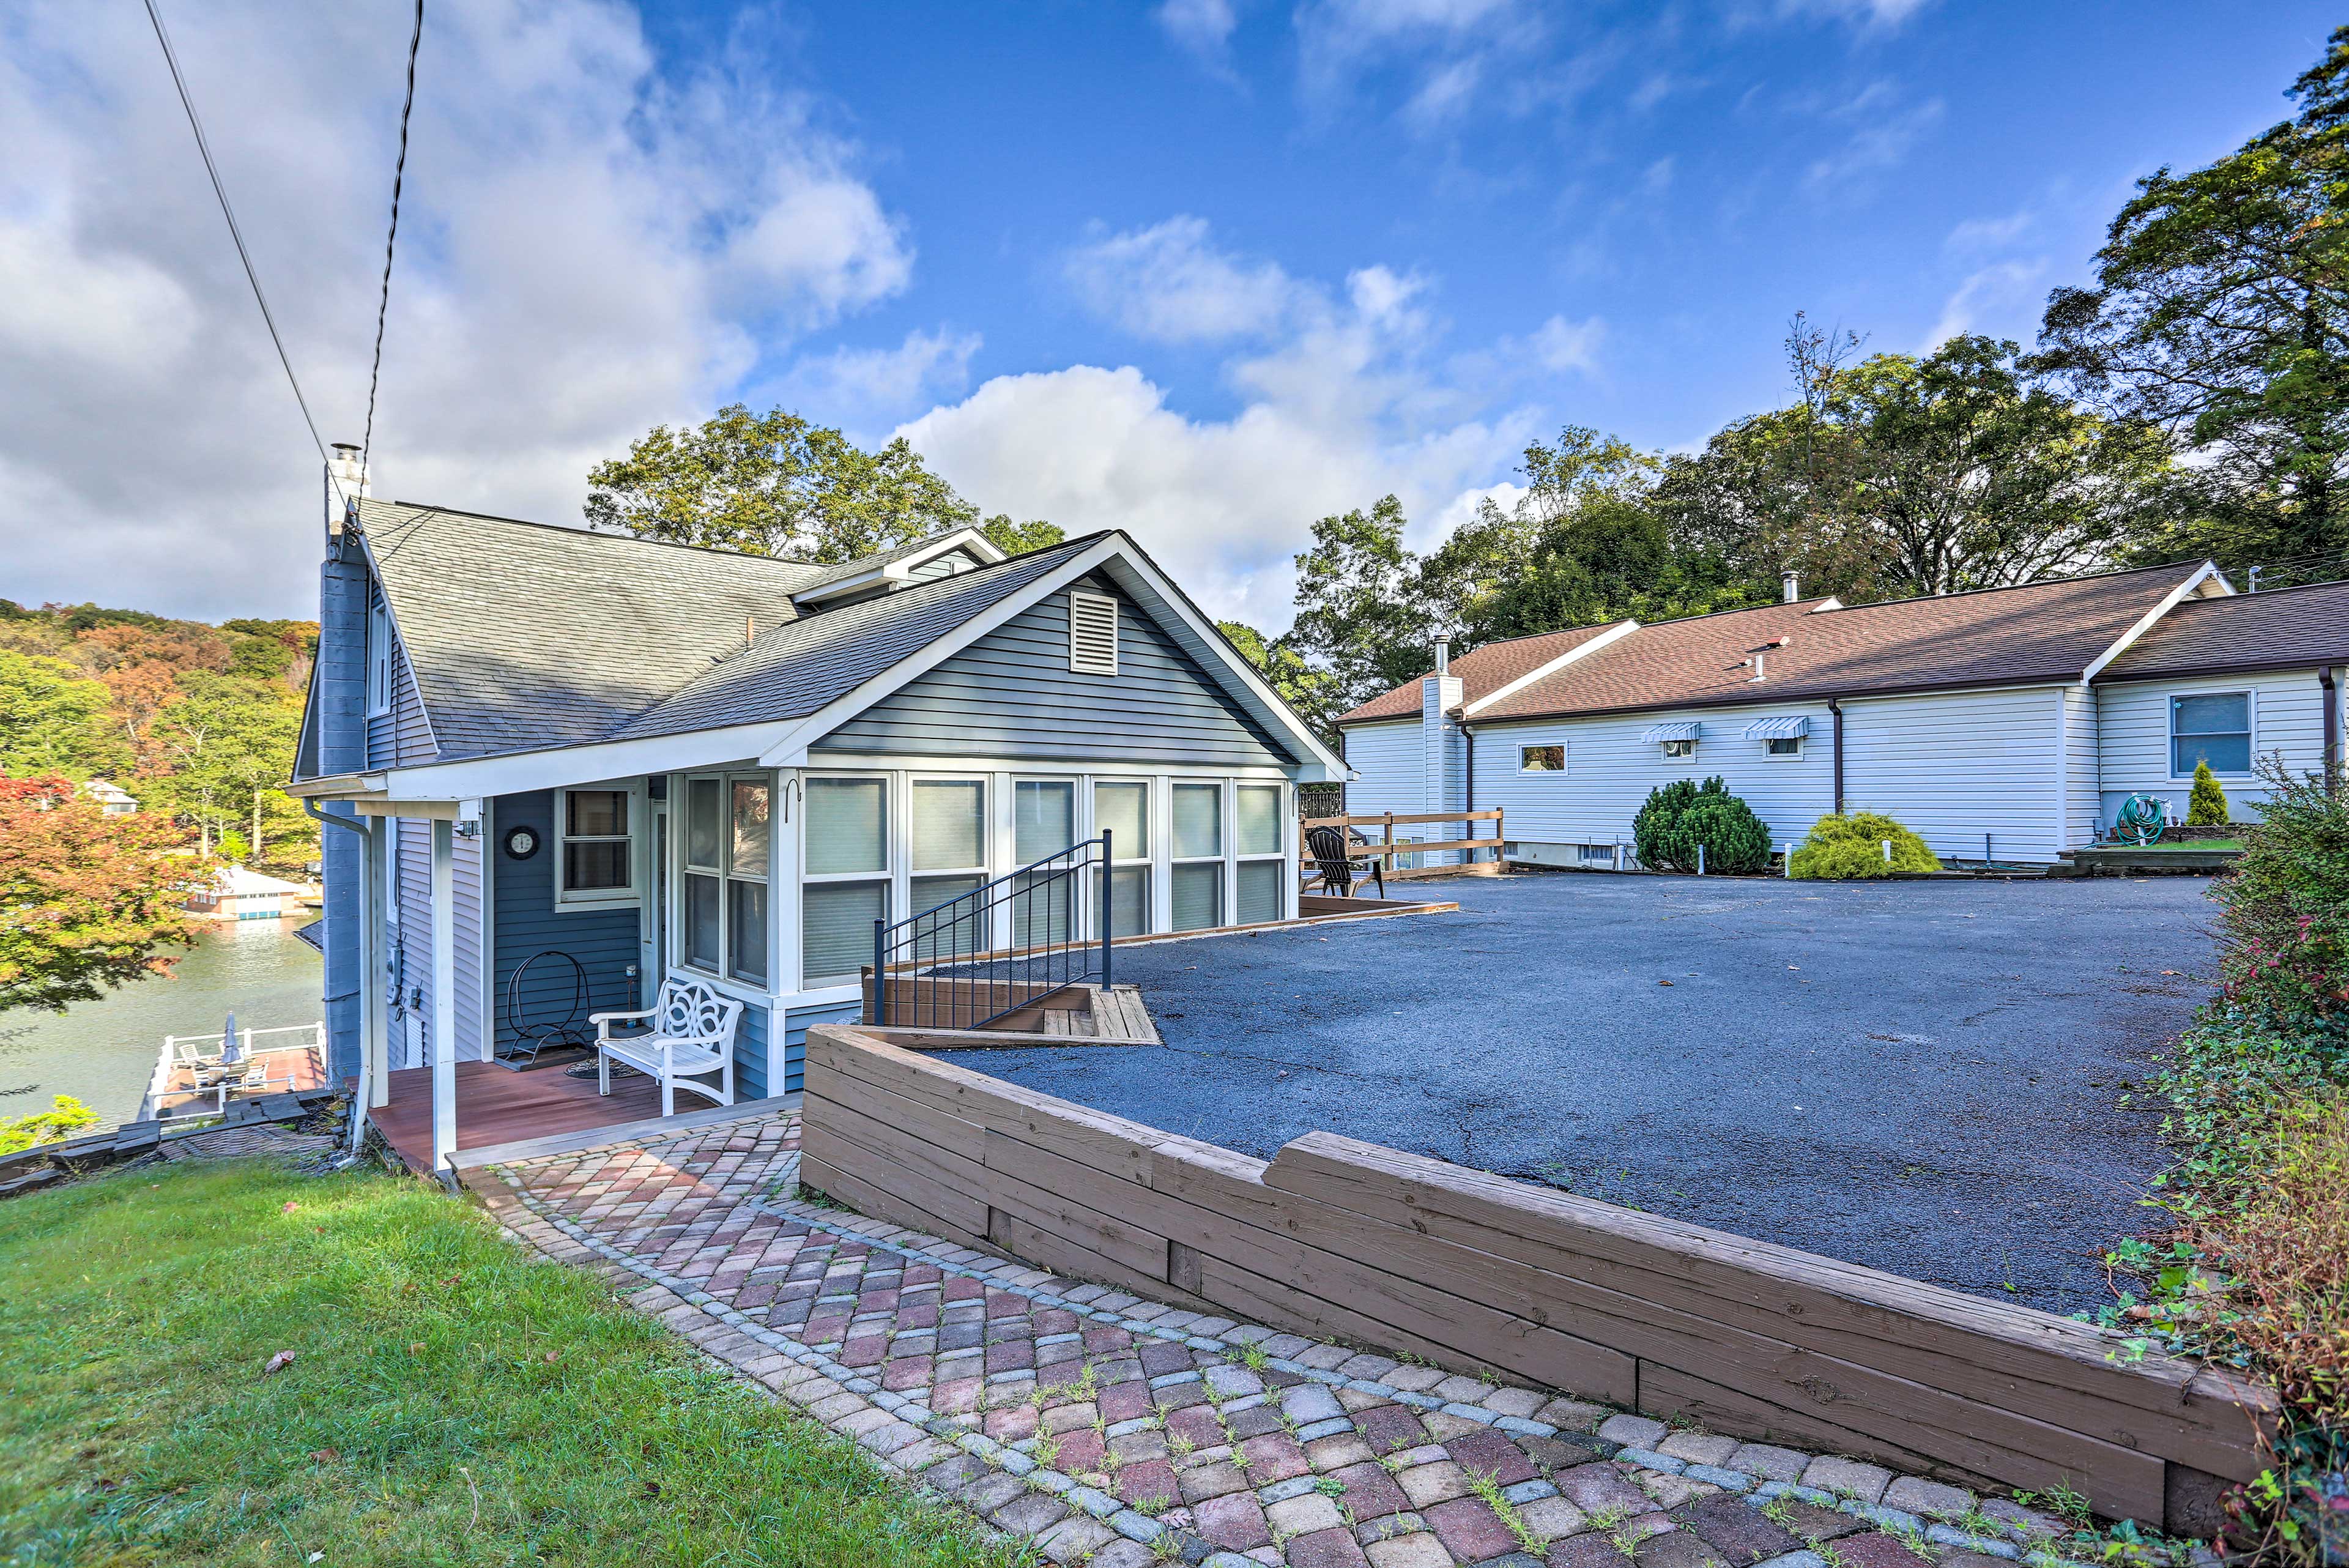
(1117, 1432)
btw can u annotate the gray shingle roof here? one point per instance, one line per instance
(795, 669)
(524, 634)
(2276, 628)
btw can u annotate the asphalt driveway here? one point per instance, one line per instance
(1922, 1076)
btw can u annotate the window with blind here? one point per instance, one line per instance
(595, 852)
(1043, 823)
(949, 830)
(1093, 633)
(1122, 809)
(1258, 835)
(2213, 727)
(727, 847)
(1197, 882)
(844, 865)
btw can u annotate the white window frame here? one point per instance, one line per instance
(599, 898)
(1770, 752)
(907, 874)
(1227, 840)
(1688, 755)
(1147, 862)
(2251, 696)
(379, 658)
(1280, 813)
(683, 866)
(896, 794)
(1565, 759)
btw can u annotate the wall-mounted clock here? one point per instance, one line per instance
(522, 843)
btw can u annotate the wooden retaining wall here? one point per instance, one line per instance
(1353, 1242)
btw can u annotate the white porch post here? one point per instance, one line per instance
(374, 1031)
(444, 993)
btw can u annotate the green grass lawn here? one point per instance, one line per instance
(450, 1401)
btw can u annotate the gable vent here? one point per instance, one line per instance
(1092, 634)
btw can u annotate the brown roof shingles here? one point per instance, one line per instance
(2277, 630)
(1483, 671)
(2040, 632)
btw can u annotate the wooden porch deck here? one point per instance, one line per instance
(494, 1107)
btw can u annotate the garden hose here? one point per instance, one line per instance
(2142, 819)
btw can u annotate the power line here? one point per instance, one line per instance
(383, 305)
(228, 213)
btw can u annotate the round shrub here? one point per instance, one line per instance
(1681, 815)
(1840, 847)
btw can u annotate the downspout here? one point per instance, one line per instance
(1835, 706)
(367, 1042)
(2332, 730)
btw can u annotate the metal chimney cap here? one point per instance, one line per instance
(345, 446)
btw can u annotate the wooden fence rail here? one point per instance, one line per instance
(1389, 849)
(1353, 1242)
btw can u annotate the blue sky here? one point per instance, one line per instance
(1203, 269)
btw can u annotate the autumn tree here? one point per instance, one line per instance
(86, 899)
(778, 485)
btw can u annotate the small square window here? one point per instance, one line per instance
(1679, 748)
(1541, 759)
(1783, 745)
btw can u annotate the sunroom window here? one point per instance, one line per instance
(847, 879)
(1258, 823)
(1044, 823)
(1198, 885)
(728, 838)
(2212, 727)
(746, 882)
(1122, 809)
(949, 854)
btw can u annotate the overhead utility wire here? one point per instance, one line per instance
(399, 172)
(204, 147)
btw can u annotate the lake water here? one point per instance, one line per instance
(103, 1052)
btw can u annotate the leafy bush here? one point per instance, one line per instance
(2207, 806)
(2287, 909)
(60, 1122)
(1680, 815)
(1840, 847)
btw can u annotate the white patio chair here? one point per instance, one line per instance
(692, 1036)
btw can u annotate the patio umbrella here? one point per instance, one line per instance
(229, 1052)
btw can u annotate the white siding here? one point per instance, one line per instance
(2132, 720)
(2080, 780)
(1953, 768)
(1609, 770)
(416, 931)
(1392, 761)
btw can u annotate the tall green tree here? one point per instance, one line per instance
(52, 718)
(229, 743)
(1360, 616)
(777, 484)
(2220, 312)
(1313, 693)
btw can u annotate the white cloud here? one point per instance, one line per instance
(1202, 27)
(1169, 283)
(2007, 290)
(1447, 47)
(1344, 396)
(1871, 14)
(587, 246)
(1988, 234)
(867, 389)
(1885, 128)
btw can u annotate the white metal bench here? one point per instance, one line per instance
(692, 1036)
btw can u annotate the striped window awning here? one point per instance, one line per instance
(1784, 729)
(1680, 731)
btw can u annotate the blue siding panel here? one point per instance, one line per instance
(1012, 694)
(751, 1051)
(795, 1028)
(526, 922)
(339, 707)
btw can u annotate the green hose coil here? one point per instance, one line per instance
(2143, 819)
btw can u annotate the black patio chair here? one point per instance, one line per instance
(1333, 854)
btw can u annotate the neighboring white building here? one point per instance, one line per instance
(237, 894)
(2008, 724)
(112, 798)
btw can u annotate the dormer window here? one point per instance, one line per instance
(1093, 633)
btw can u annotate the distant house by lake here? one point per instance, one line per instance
(112, 798)
(237, 894)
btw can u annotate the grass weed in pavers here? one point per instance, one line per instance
(449, 1400)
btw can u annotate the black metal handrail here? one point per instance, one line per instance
(962, 979)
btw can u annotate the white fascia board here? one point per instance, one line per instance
(2202, 574)
(902, 569)
(567, 765)
(1615, 633)
(792, 750)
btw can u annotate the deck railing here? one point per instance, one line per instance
(1006, 944)
(1395, 851)
(203, 1050)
